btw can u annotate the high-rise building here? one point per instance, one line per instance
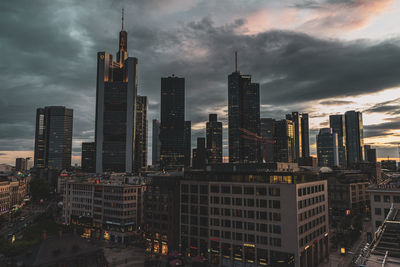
(172, 122)
(295, 117)
(141, 134)
(369, 154)
(188, 142)
(284, 135)
(155, 144)
(338, 125)
(354, 137)
(243, 117)
(88, 158)
(305, 136)
(200, 154)
(116, 109)
(214, 139)
(53, 138)
(327, 148)
(267, 134)
(20, 164)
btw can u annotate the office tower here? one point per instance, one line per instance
(172, 122)
(88, 158)
(354, 137)
(305, 136)
(295, 117)
(338, 125)
(53, 138)
(155, 144)
(200, 154)
(187, 138)
(116, 109)
(327, 148)
(214, 139)
(285, 150)
(141, 134)
(267, 134)
(236, 217)
(243, 117)
(369, 154)
(20, 164)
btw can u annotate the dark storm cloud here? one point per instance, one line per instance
(389, 107)
(336, 102)
(49, 58)
(382, 129)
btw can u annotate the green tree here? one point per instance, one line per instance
(40, 189)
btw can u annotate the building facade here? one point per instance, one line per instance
(268, 141)
(338, 125)
(243, 118)
(214, 139)
(369, 154)
(172, 123)
(116, 91)
(141, 134)
(88, 158)
(254, 218)
(53, 138)
(327, 148)
(354, 137)
(200, 154)
(285, 150)
(188, 143)
(155, 144)
(21, 164)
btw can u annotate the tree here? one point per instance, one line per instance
(40, 189)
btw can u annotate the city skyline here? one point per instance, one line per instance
(73, 85)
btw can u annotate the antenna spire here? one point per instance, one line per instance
(122, 22)
(235, 61)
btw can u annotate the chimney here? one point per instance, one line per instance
(44, 235)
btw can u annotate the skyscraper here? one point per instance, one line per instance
(141, 134)
(338, 125)
(267, 134)
(155, 143)
(200, 154)
(369, 154)
(305, 136)
(53, 138)
(214, 139)
(116, 109)
(243, 117)
(295, 117)
(21, 164)
(354, 137)
(88, 158)
(172, 122)
(188, 142)
(285, 150)
(327, 148)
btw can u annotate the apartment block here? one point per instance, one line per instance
(239, 217)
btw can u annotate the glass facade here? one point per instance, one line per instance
(214, 139)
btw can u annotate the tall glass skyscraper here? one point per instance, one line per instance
(88, 159)
(301, 131)
(214, 139)
(338, 125)
(155, 144)
(188, 142)
(284, 135)
(116, 109)
(53, 138)
(243, 118)
(141, 134)
(354, 138)
(327, 148)
(172, 123)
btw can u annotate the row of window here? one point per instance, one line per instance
(310, 190)
(310, 225)
(311, 212)
(310, 201)
(387, 199)
(303, 241)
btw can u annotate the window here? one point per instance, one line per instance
(227, 200)
(274, 191)
(378, 211)
(214, 189)
(396, 199)
(378, 223)
(203, 189)
(225, 189)
(263, 203)
(249, 190)
(377, 198)
(193, 189)
(236, 189)
(261, 191)
(299, 192)
(386, 199)
(276, 204)
(185, 188)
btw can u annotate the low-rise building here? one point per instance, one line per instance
(247, 216)
(109, 209)
(382, 197)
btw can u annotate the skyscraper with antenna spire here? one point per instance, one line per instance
(243, 117)
(116, 90)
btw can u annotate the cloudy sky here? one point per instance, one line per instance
(322, 57)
